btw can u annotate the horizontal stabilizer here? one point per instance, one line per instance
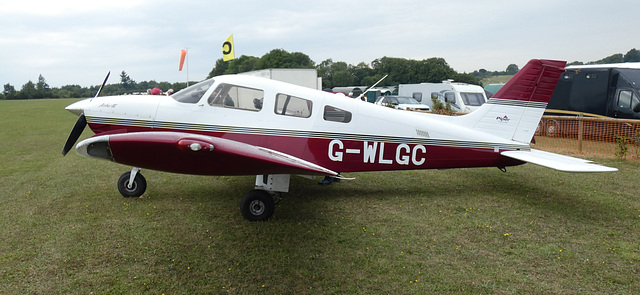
(557, 161)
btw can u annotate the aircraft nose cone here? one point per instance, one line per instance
(78, 107)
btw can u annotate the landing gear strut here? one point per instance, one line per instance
(132, 184)
(256, 205)
(259, 204)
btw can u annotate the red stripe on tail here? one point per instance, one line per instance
(534, 82)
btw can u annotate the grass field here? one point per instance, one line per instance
(65, 228)
(496, 79)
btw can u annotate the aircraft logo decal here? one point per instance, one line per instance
(503, 119)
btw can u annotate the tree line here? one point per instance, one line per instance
(338, 73)
(632, 55)
(41, 89)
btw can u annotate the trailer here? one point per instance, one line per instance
(608, 90)
(303, 77)
(463, 97)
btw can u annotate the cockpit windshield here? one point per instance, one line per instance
(193, 93)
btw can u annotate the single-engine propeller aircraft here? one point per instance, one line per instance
(245, 125)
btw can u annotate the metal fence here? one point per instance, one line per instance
(600, 137)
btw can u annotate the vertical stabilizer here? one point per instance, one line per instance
(515, 110)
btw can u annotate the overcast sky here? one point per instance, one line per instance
(79, 41)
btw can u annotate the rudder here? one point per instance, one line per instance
(515, 110)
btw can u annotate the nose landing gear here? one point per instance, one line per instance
(132, 184)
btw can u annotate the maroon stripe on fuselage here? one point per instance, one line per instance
(351, 155)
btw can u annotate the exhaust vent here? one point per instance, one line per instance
(422, 133)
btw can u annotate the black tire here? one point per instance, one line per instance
(257, 205)
(138, 187)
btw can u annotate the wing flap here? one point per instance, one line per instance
(557, 161)
(194, 154)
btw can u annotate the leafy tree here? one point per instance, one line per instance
(512, 69)
(405, 71)
(616, 58)
(239, 65)
(219, 68)
(343, 78)
(9, 91)
(243, 64)
(632, 56)
(28, 91)
(435, 70)
(335, 74)
(467, 78)
(324, 71)
(71, 91)
(279, 58)
(370, 80)
(398, 69)
(362, 71)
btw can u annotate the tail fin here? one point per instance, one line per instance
(515, 110)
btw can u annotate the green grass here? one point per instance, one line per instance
(66, 229)
(496, 79)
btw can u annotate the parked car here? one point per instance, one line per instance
(402, 103)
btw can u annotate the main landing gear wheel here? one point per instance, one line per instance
(137, 187)
(257, 205)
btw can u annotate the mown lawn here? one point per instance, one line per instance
(66, 229)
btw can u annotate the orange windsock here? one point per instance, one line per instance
(183, 54)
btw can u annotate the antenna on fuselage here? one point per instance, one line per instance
(374, 85)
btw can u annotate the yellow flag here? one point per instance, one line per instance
(227, 49)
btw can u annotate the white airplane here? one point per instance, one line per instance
(244, 125)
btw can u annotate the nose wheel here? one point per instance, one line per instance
(132, 184)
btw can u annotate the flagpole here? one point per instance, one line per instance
(187, 55)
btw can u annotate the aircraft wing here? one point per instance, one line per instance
(189, 153)
(557, 161)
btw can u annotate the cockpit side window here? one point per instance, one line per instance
(334, 114)
(288, 105)
(236, 97)
(193, 93)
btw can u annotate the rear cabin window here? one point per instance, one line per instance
(336, 115)
(237, 97)
(288, 105)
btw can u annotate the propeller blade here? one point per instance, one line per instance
(75, 134)
(80, 124)
(103, 83)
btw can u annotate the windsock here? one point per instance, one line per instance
(183, 55)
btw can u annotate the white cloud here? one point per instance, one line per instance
(73, 42)
(64, 7)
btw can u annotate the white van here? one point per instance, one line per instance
(464, 98)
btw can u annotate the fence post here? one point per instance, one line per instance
(580, 132)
